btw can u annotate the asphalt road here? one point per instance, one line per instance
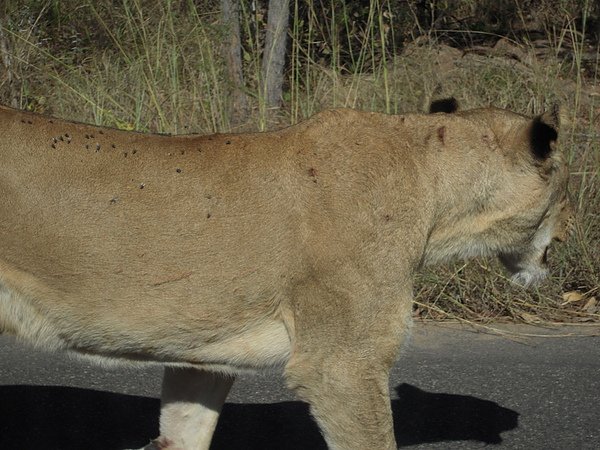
(452, 389)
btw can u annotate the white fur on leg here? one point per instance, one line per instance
(190, 406)
(530, 276)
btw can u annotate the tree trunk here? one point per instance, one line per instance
(274, 52)
(232, 49)
(6, 61)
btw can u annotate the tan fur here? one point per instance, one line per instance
(294, 248)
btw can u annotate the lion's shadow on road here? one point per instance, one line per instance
(64, 418)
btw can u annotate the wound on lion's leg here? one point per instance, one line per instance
(191, 402)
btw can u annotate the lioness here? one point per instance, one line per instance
(295, 248)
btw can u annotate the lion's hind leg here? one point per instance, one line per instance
(191, 402)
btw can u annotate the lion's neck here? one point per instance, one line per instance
(463, 213)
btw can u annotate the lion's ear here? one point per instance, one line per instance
(544, 133)
(445, 105)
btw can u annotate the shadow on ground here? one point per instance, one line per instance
(64, 418)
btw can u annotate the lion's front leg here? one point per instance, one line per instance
(191, 402)
(350, 402)
(345, 343)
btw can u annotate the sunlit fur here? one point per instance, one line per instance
(294, 249)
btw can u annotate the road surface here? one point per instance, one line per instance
(453, 388)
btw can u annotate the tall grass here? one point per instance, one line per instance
(157, 70)
(157, 66)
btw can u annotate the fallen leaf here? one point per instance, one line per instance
(590, 305)
(530, 318)
(584, 319)
(572, 297)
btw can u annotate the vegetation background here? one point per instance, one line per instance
(182, 66)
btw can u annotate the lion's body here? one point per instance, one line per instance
(293, 248)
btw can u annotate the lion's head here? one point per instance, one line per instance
(544, 213)
(522, 202)
(550, 216)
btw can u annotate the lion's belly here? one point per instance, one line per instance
(265, 345)
(228, 333)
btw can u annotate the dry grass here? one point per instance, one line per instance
(156, 66)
